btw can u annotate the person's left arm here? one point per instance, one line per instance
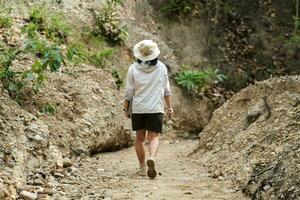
(167, 96)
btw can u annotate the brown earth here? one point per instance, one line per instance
(112, 176)
(254, 139)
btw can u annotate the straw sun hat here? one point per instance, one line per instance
(146, 50)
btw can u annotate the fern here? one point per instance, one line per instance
(193, 80)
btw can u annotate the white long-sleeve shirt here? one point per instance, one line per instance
(147, 87)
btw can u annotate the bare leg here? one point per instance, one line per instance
(139, 145)
(153, 147)
(152, 137)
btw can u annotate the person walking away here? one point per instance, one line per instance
(147, 86)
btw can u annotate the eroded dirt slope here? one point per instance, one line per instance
(254, 138)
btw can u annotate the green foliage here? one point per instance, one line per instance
(192, 80)
(10, 79)
(5, 21)
(45, 32)
(118, 2)
(49, 109)
(37, 15)
(7, 55)
(36, 46)
(57, 28)
(178, 7)
(297, 23)
(49, 57)
(107, 24)
(53, 25)
(119, 82)
(99, 58)
(30, 29)
(91, 50)
(294, 41)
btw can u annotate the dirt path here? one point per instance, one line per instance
(112, 176)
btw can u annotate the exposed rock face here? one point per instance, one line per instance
(254, 139)
(89, 116)
(88, 119)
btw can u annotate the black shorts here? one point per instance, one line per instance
(150, 121)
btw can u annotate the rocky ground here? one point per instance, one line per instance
(112, 176)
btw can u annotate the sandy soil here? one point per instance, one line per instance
(112, 176)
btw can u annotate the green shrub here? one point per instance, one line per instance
(30, 29)
(7, 55)
(177, 7)
(57, 28)
(193, 80)
(107, 24)
(37, 15)
(53, 25)
(50, 55)
(91, 50)
(10, 79)
(49, 109)
(20, 84)
(118, 2)
(5, 21)
(119, 82)
(36, 46)
(294, 41)
(100, 58)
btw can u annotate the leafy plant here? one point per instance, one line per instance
(57, 28)
(5, 21)
(91, 51)
(107, 24)
(9, 78)
(30, 29)
(99, 58)
(53, 25)
(37, 15)
(7, 55)
(50, 57)
(119, 82)
(36, 46)
(49, 109)
(294, 41)
(118, 2)
(178, 7)
(192, 80)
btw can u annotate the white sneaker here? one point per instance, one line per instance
(151, 168)
(142, 171)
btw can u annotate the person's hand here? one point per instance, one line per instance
(126, 113)
(170, 113)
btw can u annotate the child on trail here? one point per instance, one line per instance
(147, 86)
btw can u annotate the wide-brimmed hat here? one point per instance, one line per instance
(146, 50)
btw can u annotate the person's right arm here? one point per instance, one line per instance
(129, 91)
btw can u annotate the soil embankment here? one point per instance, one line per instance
(254, 138)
